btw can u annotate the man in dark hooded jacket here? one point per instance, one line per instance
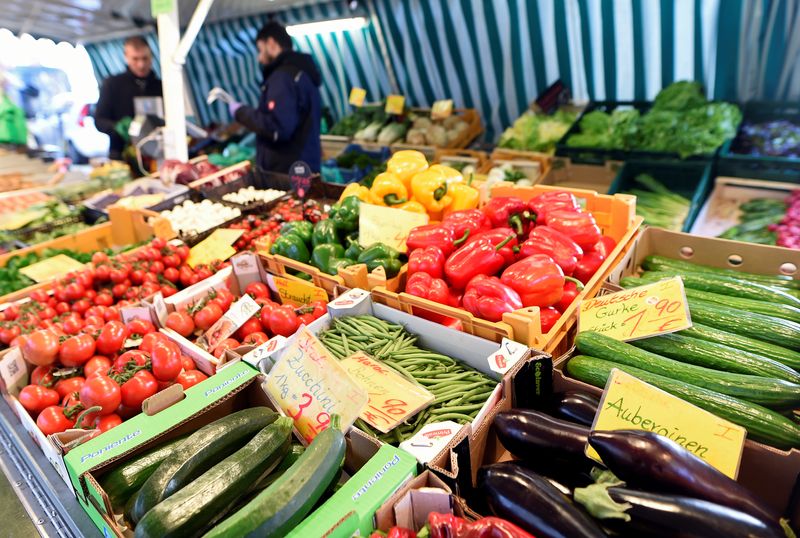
(286, 121)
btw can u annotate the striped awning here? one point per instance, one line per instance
(497, 56)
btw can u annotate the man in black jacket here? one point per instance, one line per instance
(286, 121)
(117, 94)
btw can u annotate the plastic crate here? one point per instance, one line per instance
(248, 180)
(616, 216)
(691, 180)
(732, 162)
(599, 156)
(332, 173)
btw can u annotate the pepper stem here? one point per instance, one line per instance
(578, 283)
(392, 199)
(469, 181)
(439, 193)
(504, 242)
(515, 222)
(463, 238)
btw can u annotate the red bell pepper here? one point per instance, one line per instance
(433, 235)
(466, 220)
(450, 526)
(400, 532)
(580, 226)
(509, 211)
(605, 246)
(571, 291)
(588, 266)
(478, 258)
(538, 280)
(488, 298)
(497, 236)
(546, 240)
(428, 260)
(426, 286)
(548, 318)
(549, 201)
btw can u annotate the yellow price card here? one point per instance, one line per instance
(631, 404)
(297, 293)
(395, 104)
(442, 109)
(50, 268)
(357, 96)
(216, 246)
(387, 225)
(635, 313)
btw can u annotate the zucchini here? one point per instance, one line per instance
(771, 351)
(774, 330)
(285, 503)
(730, 286)
(662, 263)
(123, 481)
(283, 466)
(760, 390)
(762, 424)
(201, 450)
(207, 498)
(716, 356)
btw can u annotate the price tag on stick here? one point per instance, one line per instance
(357, 96)
(442, 109)
(395, 104)
(635, 313)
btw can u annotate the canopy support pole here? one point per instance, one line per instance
(189, 35)
(169, 34)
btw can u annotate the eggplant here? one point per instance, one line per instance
(578, 407)
(527, 433)
(530, 501)
(646, 460)
(687, 517)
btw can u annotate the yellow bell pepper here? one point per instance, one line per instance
(412, 206)
(354, 189)
(388, 190)
(430, 189)
(450, 174)
(464, 197)
(405, 164)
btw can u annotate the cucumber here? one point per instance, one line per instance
(285, 503)
(764, 391)
(662, 263)
(123, 481)
(716, 356)
(294, 453)
(771, 351)
(725, 285)
(762, 424)
(201, 450)
(207, 498)
(774, 330)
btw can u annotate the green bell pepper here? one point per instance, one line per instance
(381, 255)
(324, 232)
(345, 214)
(323, 254)
(291, 246)
(300, 228)
(353, 250)
(334, 264)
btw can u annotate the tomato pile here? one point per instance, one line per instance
(97, 377)
(86, 299)
(272, 319)
(268, 225)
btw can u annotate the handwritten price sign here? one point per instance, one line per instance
(635, 313)
(310, 385)
(392, 397)
(386, 225)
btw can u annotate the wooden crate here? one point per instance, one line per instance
(473, 131)
(333, 145)
(597, 177)
(616, 216)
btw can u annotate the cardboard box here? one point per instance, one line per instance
(410, 505)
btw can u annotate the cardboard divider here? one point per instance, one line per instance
(616, 216)
(565, 173)
(502, 156)
(409, 506)
(471, 156)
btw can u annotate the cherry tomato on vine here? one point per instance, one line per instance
(101, 391)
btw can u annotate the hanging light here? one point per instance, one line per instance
(324, 27)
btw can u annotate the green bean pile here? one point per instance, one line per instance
(460, 391)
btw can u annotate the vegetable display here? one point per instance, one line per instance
(768, 221)
(249, 195)
(777, 138)
(658, 205)
(12, 280)
(537, 132)
(194, 218)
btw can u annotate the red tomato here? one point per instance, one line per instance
(224, 298)
(207, 316)
(91, 295)
(203, 273)
(172, 274)
(39, 296)
(256, 338)
(111, 314)
(119, 275)
(85, 279)
(80, 306)
(76, 350)
(74, 291)
(320, 308)
(40, 347)
(150, 339)
(228, 343)
(166, 361)
(190, 378)
(112, 337)
(102, 273)
(34, 398)
(101, 391)
(127, 412)
(158, 243)
(135, 357)
(157, 267)
(62, 308)
(97, 365)
(283, 321)
(70, 400)
(305, 319)
(98, 258)
(47, 312)
(140, 327)
(69, 385)
(137, 276)
(180, 322)
(119, 290)
(12, 312)
(168, 290)
(8, 334)
(257, 289)
(171, 261)
(265, 312)
(252, 325)
(138, 388)
(107, 422)
(72, 324)
(52, 420)
(42, 375)
(182, 251)
(188, 363)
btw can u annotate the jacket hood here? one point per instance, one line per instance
(302, 61)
